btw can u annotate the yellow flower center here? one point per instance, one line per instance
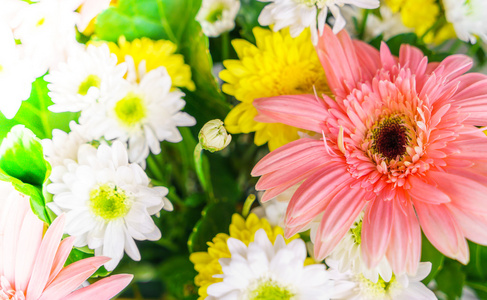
(378, 289)
(40, 22)
(130, 110)
(90, 81)
(109, 202)
(357, 233)
(270, 290)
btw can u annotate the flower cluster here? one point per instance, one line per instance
(243, 150)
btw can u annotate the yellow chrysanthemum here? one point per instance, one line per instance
(156, 54)
(277, 65)
(206, 263)
(421, 15)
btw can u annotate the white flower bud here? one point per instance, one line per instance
(213, 136)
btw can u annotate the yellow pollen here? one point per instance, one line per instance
(40, 22)
(270, 290)
(109, 202)
(90, 81)
(130, 110)
(378, 289)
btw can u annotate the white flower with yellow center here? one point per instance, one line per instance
(108, 202)
(349, 257)
(217, 16)
(355, 286)
(299, 14)
(265, 271)
(46, 30)
(16, 74)
(140, 114)
(88, 75)
(469, 18)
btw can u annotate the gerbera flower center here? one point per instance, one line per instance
(390, 138)
(90, 81)
(109, 202)
(270, 290)
(376, 289)
(131, 109)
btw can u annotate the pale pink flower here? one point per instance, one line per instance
(31, 266)
(399, 140)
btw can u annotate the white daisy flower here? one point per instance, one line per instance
(9, 10)
(16, 74)
(469, 18)
(140, 114)
(108, 202)
(266, 271)
(213, 136)
(47, 31)
(299, 14)
(88, 75)
(355, 286)
(349, 257)
(64, 145)
(217, 16)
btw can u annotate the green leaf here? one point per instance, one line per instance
(451, 279)
(429, 253)
(21, 156)
(216, 218)
(247, 17)
(178, 275)
(33, 113)
(22, 163)
(132, 18)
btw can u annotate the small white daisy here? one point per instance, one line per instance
(349, 257)
(108, 202)
(469, 18)
(140, 114)
(64, 145)
(47, 31)
(88, 75)
(355, 286)
(266, 271)
(299, 14)
(16, 74)
(217, 16)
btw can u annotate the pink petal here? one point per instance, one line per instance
(103, 289)
(473, 225)
(376, 230)
(414, 59)
(72, 277)
(61, 255)
(45, 258)
(425, 192)
(29, 241)
(302, 111)
(287, 155)
(337, 55)
(464, 192)
(337, 219)
(454, 66)
(368, 58)
(314, 195)
(442, 230)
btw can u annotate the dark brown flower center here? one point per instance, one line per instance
(390, 138)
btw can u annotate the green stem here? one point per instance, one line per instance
(153, 166)
(435, 26)
(363, 24)
(43, 116)
(225, 45)
(164, 23)
(477, 286)
(198, 163)
(247, 205)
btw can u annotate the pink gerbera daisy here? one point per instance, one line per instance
(31, 266)
(399, 141)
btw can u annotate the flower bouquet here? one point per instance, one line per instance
(243, 149)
